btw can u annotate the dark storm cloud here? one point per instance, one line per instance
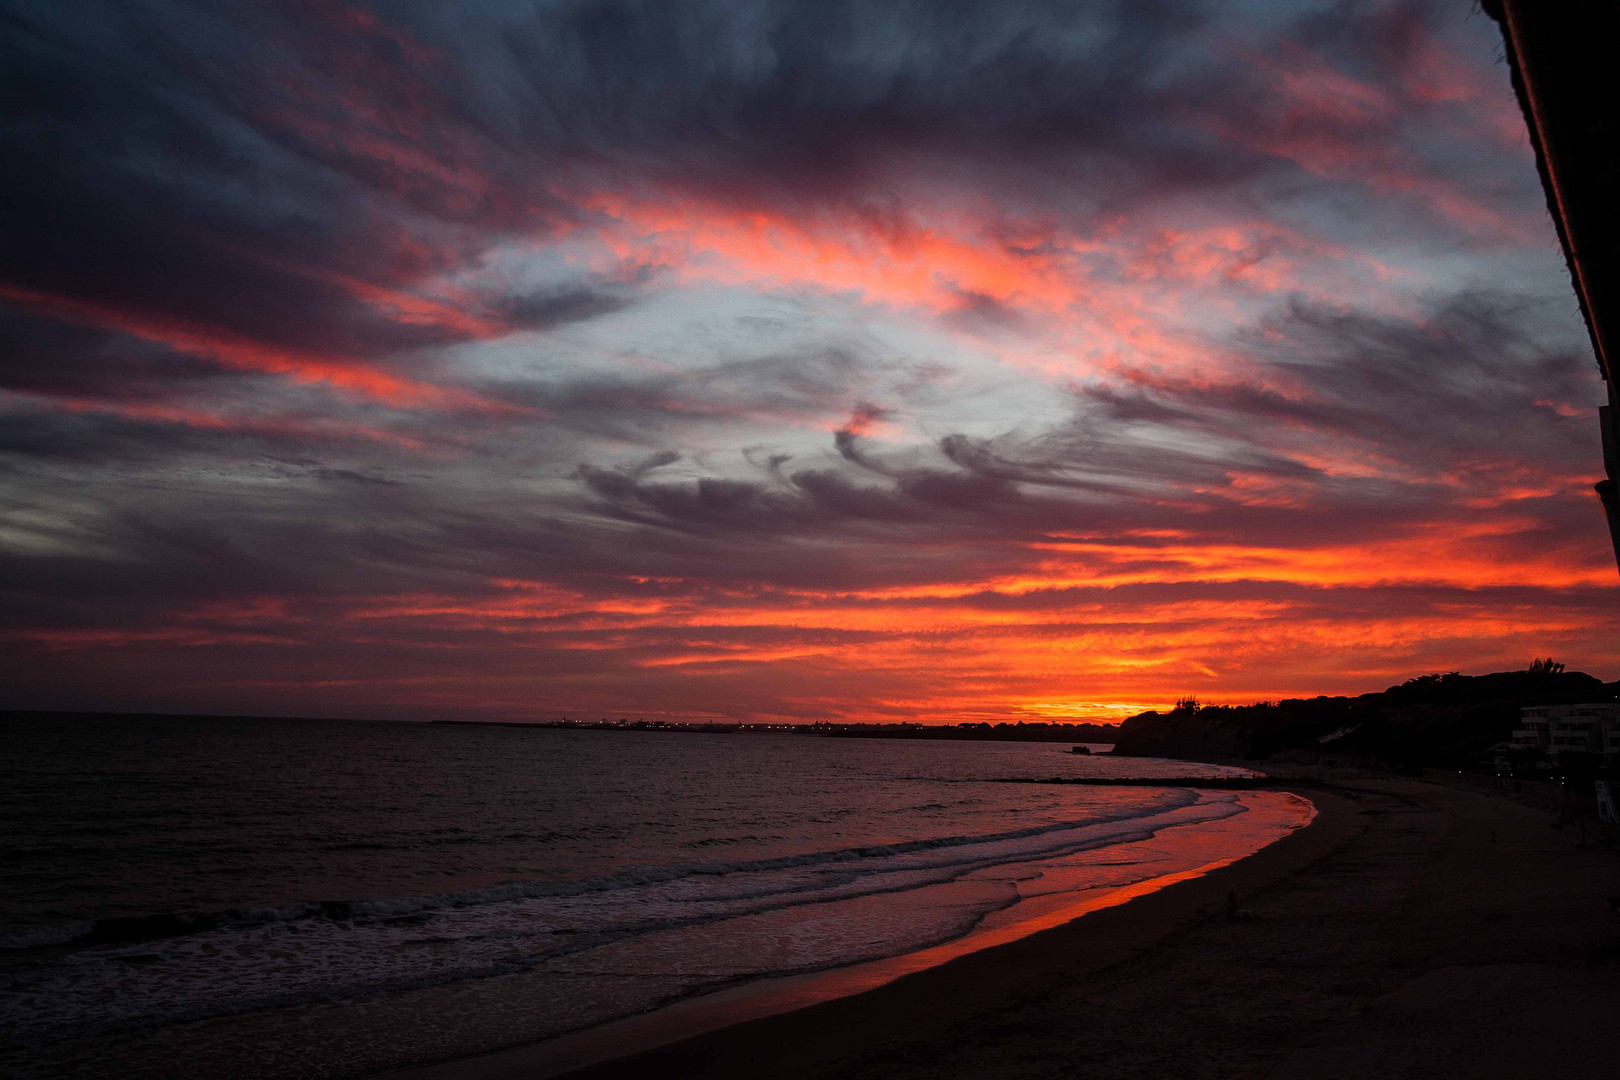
(1461, 388)
(806, 91)
(1464, 379)
(559, 307)
(95, 437)
(796, 103)
(642, 409)
(906, 501)
(44, 356)
(156, 194)
(255, 171)
(142, 196)
(1466, 375)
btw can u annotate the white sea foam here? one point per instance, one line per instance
(201, 871)
(640, 922)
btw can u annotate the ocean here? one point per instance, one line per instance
(163, 872)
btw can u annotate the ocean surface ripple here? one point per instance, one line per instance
(156, 872)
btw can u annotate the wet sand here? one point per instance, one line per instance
(1412, 930)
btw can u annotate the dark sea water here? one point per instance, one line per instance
(154, 872)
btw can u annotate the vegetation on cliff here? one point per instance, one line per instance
(1440, 719)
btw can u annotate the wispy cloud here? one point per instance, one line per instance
(785, 358)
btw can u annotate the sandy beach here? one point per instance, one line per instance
(1413, 929)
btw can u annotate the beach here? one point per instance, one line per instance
(1414, 929)
(1411, 928)
(280, 900)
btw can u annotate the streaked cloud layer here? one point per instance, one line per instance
(779, 359)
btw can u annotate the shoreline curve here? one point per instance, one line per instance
(726, 1032)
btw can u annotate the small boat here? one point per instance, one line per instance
(1081, 750)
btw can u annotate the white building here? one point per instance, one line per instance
(1557, 730)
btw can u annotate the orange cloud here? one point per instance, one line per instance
(319, 429)
(354, 377)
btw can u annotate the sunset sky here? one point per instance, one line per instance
(821, 360)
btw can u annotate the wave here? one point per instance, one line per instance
(128, 930)
(691, 924)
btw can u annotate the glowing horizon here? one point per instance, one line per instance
(782, 361)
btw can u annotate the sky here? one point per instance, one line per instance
(842, 360)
